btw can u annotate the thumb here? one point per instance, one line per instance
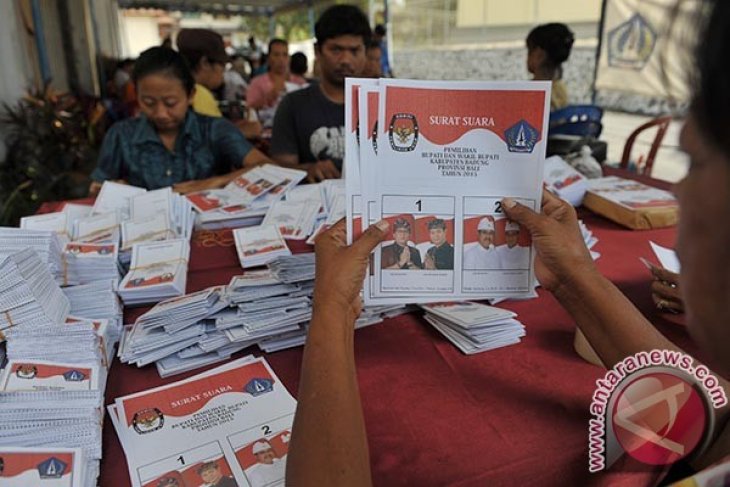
(521, 214)
(372, 237)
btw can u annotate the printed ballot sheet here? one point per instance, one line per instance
(48, 467)
(232, 423)
(443, 156)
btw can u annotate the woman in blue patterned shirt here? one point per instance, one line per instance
(169, 144)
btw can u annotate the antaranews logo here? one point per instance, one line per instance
(656, 406)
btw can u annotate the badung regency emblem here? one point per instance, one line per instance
(631, 44)
(521, 137)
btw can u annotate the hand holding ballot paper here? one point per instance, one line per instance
(435, 160)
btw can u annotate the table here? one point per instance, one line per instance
(512, 416)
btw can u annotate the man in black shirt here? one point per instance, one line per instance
(309, 126)
(441, 255)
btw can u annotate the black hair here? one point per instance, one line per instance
(437, 223)
(298, 63)
(373, 44)
(711, 95)
(125, 62)
(379, 30)
(161, 60)
(555, 39)
(341, 20)
(275, 41)
(401, 223)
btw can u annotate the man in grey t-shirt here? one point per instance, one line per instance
(309, 127)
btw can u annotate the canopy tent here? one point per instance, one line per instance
(230, 7)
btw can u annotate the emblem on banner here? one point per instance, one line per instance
(26, 371)
(74, 376)
(148, 420)
(631, 44)
(403, 132)
(256, 387)
(53, 468)
(521, 137)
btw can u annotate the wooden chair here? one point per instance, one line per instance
(644, 166)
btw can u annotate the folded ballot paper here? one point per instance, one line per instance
(50, 412)
(245, 200)
(260, 245)
(97, 300)
(46, 244)
(88, 262)
(29, 296)
(474, 327)
(215, 425)
(158, 270)
(67, 467)
(565, 181)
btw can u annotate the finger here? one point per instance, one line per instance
(329, 169)
(550, 202)
(664, 275)
(372, 237)
(521, 214)
(333, 169)
(335, 235)
(665, 290)
(664, 304)
(319, 174)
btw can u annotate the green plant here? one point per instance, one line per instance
(52, 143)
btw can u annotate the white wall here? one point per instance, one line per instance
(138, 34)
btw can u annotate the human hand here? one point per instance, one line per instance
(321, 170)
(340, 269)
(428, 263)
(665, 290)
(561, 251)
(405, 256)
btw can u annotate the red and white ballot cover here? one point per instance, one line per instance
(451, 151)
(200, 426)
(41, 375)
(43, 467)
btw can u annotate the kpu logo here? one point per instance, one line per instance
(148, 420)
(403, 132)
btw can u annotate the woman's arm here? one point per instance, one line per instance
(329, 443)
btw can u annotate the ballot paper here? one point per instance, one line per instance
(294, 219)
(255, 183)
(44, 375)
(97, 300)
(88, 262)
(257, 246)
(219, 420)
(46, 244)
(115, 197)
(58, 222)
(178, 209)
(667, 258)
(565, 181)
(150, 228)
(158, 270)
(103, 228)
(474, 327)
(447, 154)
(30, 467)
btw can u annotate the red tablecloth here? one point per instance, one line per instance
(513, 416)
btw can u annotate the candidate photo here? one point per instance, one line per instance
(480, 252)
(440, 253)
(401, 254)
(270, 468)
(511, 254)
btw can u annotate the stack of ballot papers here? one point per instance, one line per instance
(474, 327)
(97, 301)
(589, 238)
(89, 262)
(24, 467)
(212, 425)
(270, 308)
(158, 270)
(50, 406)
(259, 245)
(245, 200)
(29, 296)
(45, 243)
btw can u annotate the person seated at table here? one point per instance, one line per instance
(548, 47)
(170, 144)
(309, 126)
(399, 254)
(205, 53)
(373, 67)
(267, 90)
(329, 443)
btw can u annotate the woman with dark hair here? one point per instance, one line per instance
(548, 47)
(169, 144)
(329, 443)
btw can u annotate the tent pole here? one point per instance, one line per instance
(601, 25)
(40, 41)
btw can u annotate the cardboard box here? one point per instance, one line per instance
(632, 204)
